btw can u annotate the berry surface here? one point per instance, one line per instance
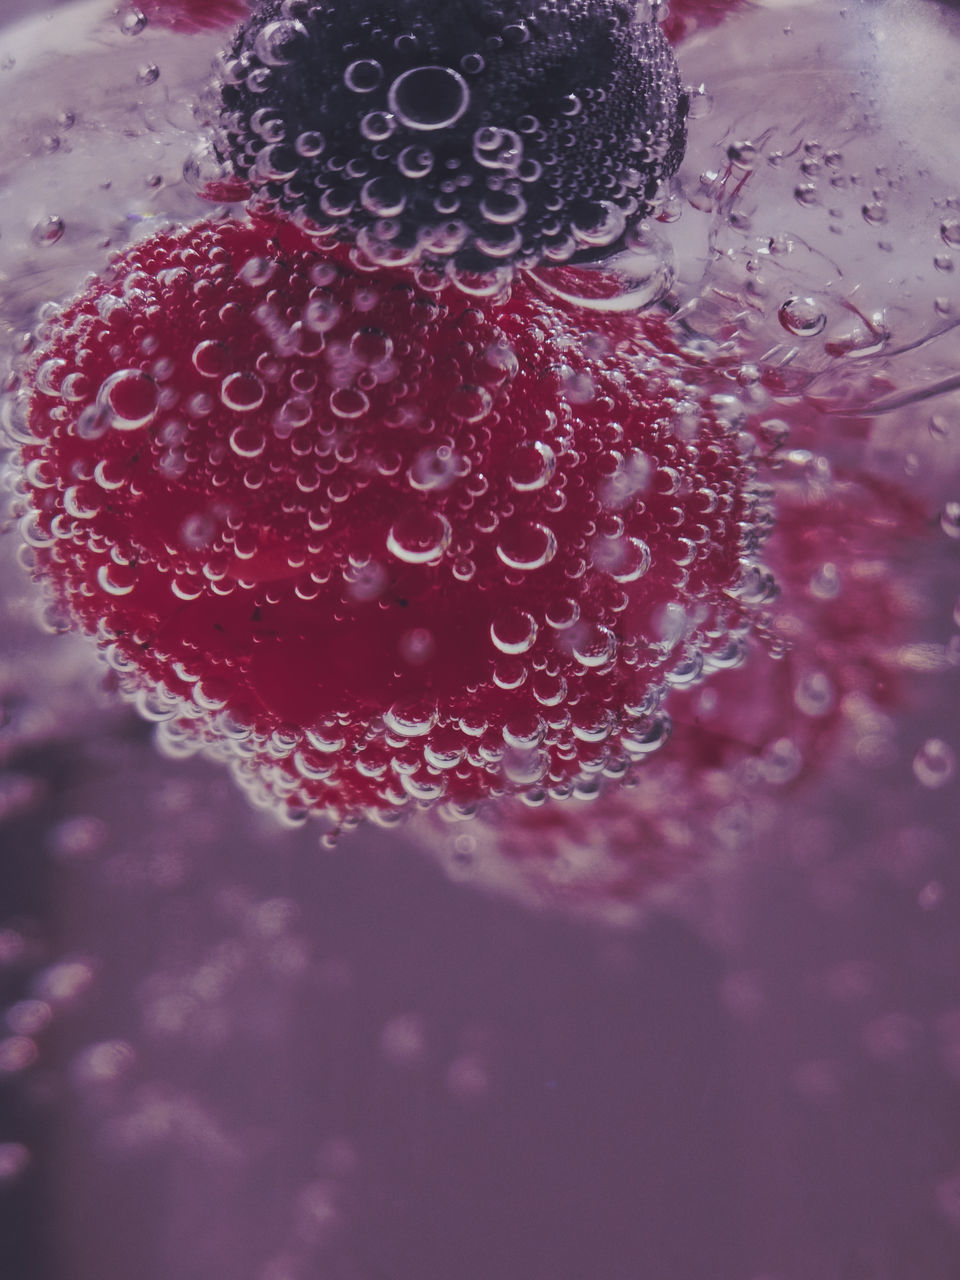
(373, 544)
(463, 133)
(193, 15)
(685, 17)
(827, 667)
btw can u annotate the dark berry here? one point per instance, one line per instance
(464, 132)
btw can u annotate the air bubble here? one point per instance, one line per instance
(14, 1161)
(531, 466)
(209, 359)
(49, 230)
(276, 164)
(624, 559)
(499, 242)
(825, 583)
(743, 155)
(417, 646)
(513, 631)
(595, 646)
(780, 762)
(437, 468)
(48, 376)
(503, 209)
(348, 402)
(509, 673)
(79, 501)
(646, 737)
(497, 148)
(950, 520)
(247, 442)
(480, 284)
(367, 581)
(377, 126)
(632, 478)
(700, 102)
(309, 144)
(470, 404)
(256, 272)
(276, 45)
(578, 388)
(116, 580)
(326, 738)
(363, 76)
(627, 281)
(815, 695)
(525, 768)
(415, 162)
(371, 346)
(242, 392)
(132, 22)
(934, 764)
(411, 718)
(526, 545)
(321, 313)
(950, 232)
(293, 413)
(197, 531)
(598, 225)
(33, 533)
(420, 537)
(202, 167)
(429, 98)
(802, 317)
(130, 398)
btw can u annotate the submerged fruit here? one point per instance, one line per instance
(192, 15)
(377, 544)
(685, 17)
(463, 133)
(827, 667)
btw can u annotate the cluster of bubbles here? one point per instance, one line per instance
(829, 266)
(470, 136)
(379, 545)
(824, 670)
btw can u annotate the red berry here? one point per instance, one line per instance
(193, 15)
(814, 694)
(373, 542)
(688, 16)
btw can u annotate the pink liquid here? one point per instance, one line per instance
(707, 1026)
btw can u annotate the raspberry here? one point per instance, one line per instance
(193, 15)
(375, 544)
(465, 132)
(813, 696)
(684, 17)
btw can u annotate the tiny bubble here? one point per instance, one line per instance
(132, 22)
(934, 764)
(48, 230)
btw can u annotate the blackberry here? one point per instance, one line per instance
(467, 134)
